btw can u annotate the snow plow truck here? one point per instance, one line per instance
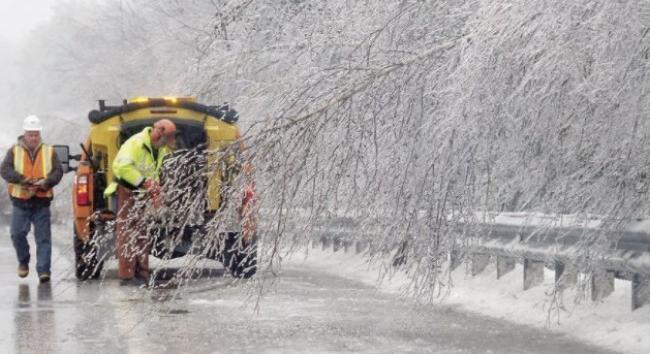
(200, 179)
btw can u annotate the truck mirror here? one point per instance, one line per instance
(63, 153)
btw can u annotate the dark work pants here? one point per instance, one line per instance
(20, 225)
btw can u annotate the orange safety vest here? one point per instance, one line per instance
(39, 168)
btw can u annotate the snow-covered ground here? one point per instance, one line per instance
(307, 310)
(609, 323)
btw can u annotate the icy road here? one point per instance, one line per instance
(310, 310)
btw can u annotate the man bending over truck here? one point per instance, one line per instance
(137, 168)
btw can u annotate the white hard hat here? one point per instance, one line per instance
(32, 123)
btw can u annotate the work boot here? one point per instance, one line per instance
(144, 276)
(44, 277)
(23, 270)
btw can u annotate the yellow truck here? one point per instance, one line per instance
(199, 177)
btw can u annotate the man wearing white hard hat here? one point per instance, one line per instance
(31, 170)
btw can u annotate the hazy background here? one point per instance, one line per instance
(17, 20)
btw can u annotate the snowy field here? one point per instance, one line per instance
(608, 323)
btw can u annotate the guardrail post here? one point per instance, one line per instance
(479, 262)
(565, 275)
(504, 265)
(337, 244)
(533, 273)
(360, 246)
(602, 284)
(640, 290)
(454, 259)
(346, 246)
(325, 242)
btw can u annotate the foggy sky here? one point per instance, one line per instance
(18, 17)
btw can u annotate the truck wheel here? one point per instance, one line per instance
(86, 264)
(240, 260)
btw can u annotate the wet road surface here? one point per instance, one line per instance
(307, 310)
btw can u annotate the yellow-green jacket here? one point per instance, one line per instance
(135, 162)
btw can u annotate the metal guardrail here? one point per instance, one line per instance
(609, 254)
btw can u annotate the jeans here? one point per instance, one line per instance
(20, 225)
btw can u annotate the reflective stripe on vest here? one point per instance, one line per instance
(47, 159)
(38, 169)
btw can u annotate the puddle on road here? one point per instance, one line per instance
(178, 312)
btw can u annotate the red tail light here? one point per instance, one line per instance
(83, 197)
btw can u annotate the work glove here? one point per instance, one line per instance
(40, 184)
(153, 189)
(34, 184)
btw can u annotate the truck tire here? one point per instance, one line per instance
(240, 260)
(86, 264)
